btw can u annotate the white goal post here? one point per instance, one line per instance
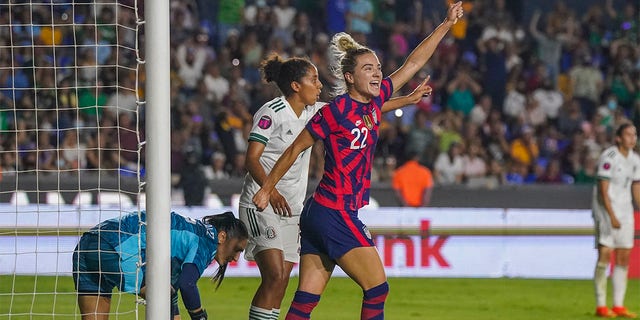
(72, 145)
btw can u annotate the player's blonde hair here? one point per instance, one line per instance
(344, 51)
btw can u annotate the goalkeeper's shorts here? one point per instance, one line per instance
(330, 231)
(96, 266)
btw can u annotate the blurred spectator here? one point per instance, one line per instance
(192, 177)
(421, 140)
(626, 24)
(586, 174)
(494, 140)
(524, 149)
(534, 115)
(474, 164)
(217, 85)
(47, 154)
(515, 101)
(550, 100)
(336, 15)
(449, 167)
(284, 15)
(413, 183)
(216, 170)
(550, 41)
(229, 18)
(551, 173)
(360, 17)
(516, 173)
(570, 118)
(493, 62)
(586, 84)
(481, 110)
(73, 152)
(495, 175)
(461, 93)
(191, 62)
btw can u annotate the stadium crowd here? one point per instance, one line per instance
(515, 102)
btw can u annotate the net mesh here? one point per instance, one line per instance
(71, 148)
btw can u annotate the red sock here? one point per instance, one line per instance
(302, 305)
(373, 302)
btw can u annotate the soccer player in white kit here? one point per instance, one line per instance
(273, 233)
(617, 187)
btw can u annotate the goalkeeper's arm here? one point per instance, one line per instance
(187, 285)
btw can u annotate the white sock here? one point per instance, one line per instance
(275, 314)
(257, 313)
(619, 282)
(600, 282)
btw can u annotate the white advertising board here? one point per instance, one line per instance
(428, 242)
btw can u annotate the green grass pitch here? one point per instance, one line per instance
(410, 298)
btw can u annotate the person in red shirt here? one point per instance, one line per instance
(413, 183)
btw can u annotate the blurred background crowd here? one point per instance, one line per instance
(518, 97)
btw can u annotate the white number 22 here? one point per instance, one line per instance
(356, 143)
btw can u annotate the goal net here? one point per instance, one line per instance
(70, 144)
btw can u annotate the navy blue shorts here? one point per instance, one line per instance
(96, 266)
(331, 232)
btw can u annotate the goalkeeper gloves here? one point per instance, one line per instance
(198, 315)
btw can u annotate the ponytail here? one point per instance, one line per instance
(233, 227)
(284, 72)
(344, 51)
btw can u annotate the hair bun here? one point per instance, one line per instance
(344, 42)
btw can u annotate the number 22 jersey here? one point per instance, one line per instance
(349, 130)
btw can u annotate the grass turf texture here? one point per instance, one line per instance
(410, 298)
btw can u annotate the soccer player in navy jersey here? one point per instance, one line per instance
(331, 232)
(108, 255)
(273, 233)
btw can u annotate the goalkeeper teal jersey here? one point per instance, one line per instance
(192, 241)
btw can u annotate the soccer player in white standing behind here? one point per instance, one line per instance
(273, 234)
(617, 187)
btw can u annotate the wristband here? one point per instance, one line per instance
(198, 315)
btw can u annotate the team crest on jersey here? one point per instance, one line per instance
(374, 115)
(606, 166)
(367, 121)
(366, 231)
(270, 232)
(264, 122)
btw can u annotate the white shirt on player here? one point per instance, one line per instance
(276, 125)
(621, 172)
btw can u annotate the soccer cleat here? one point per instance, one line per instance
(604, 312)
(622, 312)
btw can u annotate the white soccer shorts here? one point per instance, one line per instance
(268, 230)
(621, 238)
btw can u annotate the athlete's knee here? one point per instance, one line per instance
(275, 276)
(622, 258)
(377, 294)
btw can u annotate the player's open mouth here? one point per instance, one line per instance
(375, 84)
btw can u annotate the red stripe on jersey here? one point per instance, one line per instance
(349, 130)
(347, 220)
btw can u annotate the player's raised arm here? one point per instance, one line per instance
(302, 142)
(421, 54)
(414, 97)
